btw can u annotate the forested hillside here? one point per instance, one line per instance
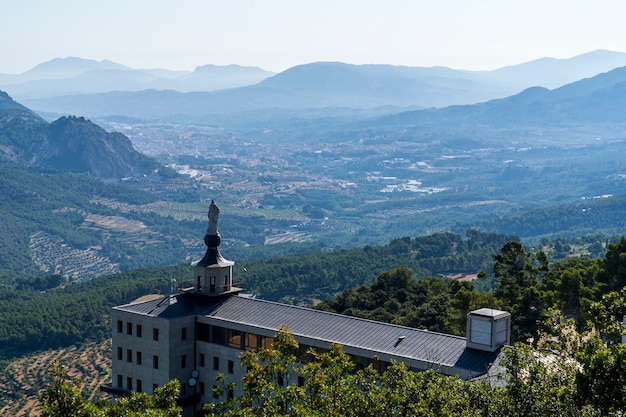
(47, 312)
(538, 293)
(305, 278)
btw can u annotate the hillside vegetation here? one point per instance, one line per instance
(23, 379)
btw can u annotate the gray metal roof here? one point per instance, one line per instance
(417, 345)
(172, 306)
(403, 343)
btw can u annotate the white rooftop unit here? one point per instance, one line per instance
(488, 329)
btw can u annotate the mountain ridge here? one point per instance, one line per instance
(69, 143)
(327, 85)
(73, 75)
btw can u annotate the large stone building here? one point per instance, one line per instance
(196, 333)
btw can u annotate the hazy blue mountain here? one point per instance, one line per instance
(552, 72)
(321, 85)
(217, 77)
(67, 67)
(590, 102)
(66, 76)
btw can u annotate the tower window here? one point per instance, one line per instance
(139, 330)
(183, 361)
(120, 380)
(202, 360)
(155, 334)
(155, 362)
(129, 328)
(138, 359)
(129, 355)
(120, 326)
(120, 353)
(183, 333)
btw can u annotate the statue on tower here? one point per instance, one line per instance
(214, 213)
(212, 238)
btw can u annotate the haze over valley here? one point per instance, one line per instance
(321, 156)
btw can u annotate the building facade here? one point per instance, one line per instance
(199, 332)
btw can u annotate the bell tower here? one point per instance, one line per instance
(213, 275)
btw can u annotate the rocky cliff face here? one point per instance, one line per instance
(79, 145)
(69, 143)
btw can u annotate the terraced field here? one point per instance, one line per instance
(23, 379)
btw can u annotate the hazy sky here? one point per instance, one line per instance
(278, 34)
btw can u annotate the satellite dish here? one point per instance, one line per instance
(194, 374)
(192, 382)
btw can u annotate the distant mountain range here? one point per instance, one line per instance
(69, 143)
(324, 85)
(63, 76)
(596, 102)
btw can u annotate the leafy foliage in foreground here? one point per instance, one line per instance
(63, 399)
(532, 383)
(524, 283)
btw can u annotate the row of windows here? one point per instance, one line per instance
(138, 330)
(138, 387)
(232, 338)
(138, 360)
(129, 384)
(138, 357)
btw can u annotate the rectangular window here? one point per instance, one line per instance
(120, 354)
(129, 328)
(129, 355)
(266, 342)
(216, 363)
(139, 386)
(155, 334)
(201, 388)
(234, 338)
(218, 335)
(231, 367)
(183, 390)
(183, 361)
(139, 330)
(129, 383)
(120, 381)
(183, 333)
(203, 332)
(120, 326)
(201, 360)
(138, 358)
(155, 362)
(252, 341)
(231, 393)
